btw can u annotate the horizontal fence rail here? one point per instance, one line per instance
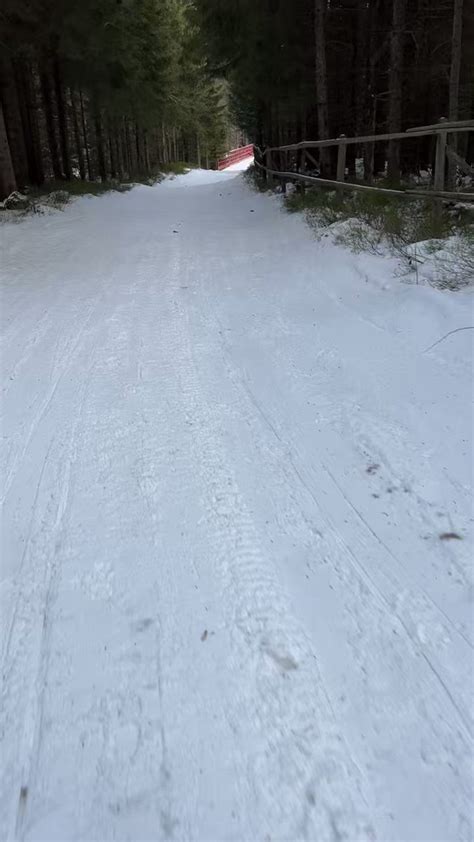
(265, 160)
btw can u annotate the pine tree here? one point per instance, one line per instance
(100, 88)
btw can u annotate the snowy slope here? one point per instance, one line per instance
(228, 460)
(241, 166)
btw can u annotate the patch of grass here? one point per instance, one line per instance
(455, 266)
(322, 206)
(76, 187)
(399, 220)
(56, 194)
(377, 222)
(256, 179)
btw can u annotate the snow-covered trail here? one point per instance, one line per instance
(227, 612)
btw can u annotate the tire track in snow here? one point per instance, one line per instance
(301, 469)
(26, 652)
(366, 525)
(418, 646)
(308, 784)
(29, 346)
(288, 443)
(19, 456)
(279, 743)
(455, 749)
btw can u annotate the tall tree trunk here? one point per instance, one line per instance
(84, 134)
(128, 149)
(175, 144)
(454, 76)
(124, 146)
(49, 120)
(164, 147)
(198, 150)
(146, 152)
(395, 87)
(7, 174)
(377, 49)
(113, 160)
(456, 50)
(77, 136)
(137, 147)
(29, 118)
(320, 7)
(118, 151)
(100, 146)
(62, 120)
(13, 122)
(360, 69)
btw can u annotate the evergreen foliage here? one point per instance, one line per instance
(105, 89)
(386, 65)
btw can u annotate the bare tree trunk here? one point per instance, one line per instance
(146, 151)
(454, 76)
(125, 149)
(100, 146)
(62, 120)
(164, 148)
(175, 144)
(128, 147)
(118, 151)
(137, 146)
(13, 122)
(113, 162)
(320, 7)
(395, 86)
(77, 136)
(360, 72)
(455, 71)
(29, 117)
(84, 134)
(7, 174)
(198, 151)
(49, 120)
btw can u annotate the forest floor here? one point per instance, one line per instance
(236, 578)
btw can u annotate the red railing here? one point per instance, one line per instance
(235, 156)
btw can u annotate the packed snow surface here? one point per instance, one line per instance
(242, 165)
(236, 598)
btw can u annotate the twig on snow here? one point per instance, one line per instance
(456, 330)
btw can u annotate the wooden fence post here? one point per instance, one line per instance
(302, 166)
(268, 164)
(301, 187)
(341, 159)
(440, 159)
(284, 166)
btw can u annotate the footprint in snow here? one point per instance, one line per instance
(372, 469)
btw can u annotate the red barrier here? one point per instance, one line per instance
(235, 156)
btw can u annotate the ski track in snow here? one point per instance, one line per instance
(227, 612)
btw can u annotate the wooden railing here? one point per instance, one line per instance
(265, 160)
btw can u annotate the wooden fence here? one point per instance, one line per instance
(265, 160)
